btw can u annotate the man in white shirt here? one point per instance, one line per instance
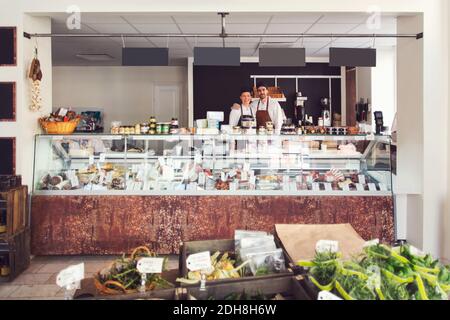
(267, 109)
(239, 111)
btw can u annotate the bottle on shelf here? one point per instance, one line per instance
(3, 217)
(5, 269)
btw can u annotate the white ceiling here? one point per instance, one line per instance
(65, 49)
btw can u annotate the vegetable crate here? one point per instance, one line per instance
(281, 288)
(15, 203)
(89, 291)
(191, 247)
(17, 249)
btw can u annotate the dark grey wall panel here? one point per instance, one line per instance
(353, 57)
(217, 88)
(282, 57)
(145, 57)
(204, 56)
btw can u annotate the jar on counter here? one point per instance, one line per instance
(137, 129)
(166, 128)
(115, 127)
(159, 128)
(262, 130)
(122, 130)
(145, 128)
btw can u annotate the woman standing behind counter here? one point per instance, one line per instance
(243, 110)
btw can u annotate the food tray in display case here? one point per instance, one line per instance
(223, 164)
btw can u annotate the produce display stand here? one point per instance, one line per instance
(88, 291)
(15, 241)
(191, 247)
(17, 248)
(15, 201)
(288, 287)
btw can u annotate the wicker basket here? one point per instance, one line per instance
(111, 287)
(53, 127)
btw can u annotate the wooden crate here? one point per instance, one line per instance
(15, 201)
(88, 291)
(213, 246)
(288, 287)
(17, 249)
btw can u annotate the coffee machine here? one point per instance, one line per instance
(299, 110)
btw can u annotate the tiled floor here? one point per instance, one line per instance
(39, 280)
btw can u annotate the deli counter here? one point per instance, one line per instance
(104, 194)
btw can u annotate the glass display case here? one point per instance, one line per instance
(212, 165)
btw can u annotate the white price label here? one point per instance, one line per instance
(345, 187)
(244, 176)
(201, 178)
(383, 187)
(372, 187)
(328, 187)
(102, 157)
(246, 166)
(316, 186)
(371, 243)
(150, 265)
(293, 186)
(359, 187)
(286, 187)
(199, 261)
(223, 176)
(70, 275)
(253, 180)
(91, 160)
(309, 179)
(198, 158)
(362, 179)
(327, 246)
(109, 177)
(326, 295)
(234, 186)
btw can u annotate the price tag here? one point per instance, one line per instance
(101, 177)
(362, 179)
(198, 158)
(326, 295)
(223, 176)
(246, 166)
(316, 186)
(253, 180)
(199, 261)
(359, 187)
(293, 186)
(371, 243)
(234, 186)
(286, 187)
(102, 157)
(309, 179)
(345, 187)
(382, 187)
(328, 186)
(161, 161)
(201, 178)
(137, 186)
(70, 275)
(109, 177)
(244, 175)
(327, 246)
(372, 187)
(150, 265)
(91, 159)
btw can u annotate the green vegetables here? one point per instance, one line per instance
(382, 273)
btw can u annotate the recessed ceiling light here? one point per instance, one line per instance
(95, 56)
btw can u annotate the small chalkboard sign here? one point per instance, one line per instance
(7, 160)
(7, 101)
(8, 46)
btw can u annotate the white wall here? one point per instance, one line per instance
(384, 84)
(125, 93)
(26, 124)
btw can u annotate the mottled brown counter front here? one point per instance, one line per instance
(73, 225)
